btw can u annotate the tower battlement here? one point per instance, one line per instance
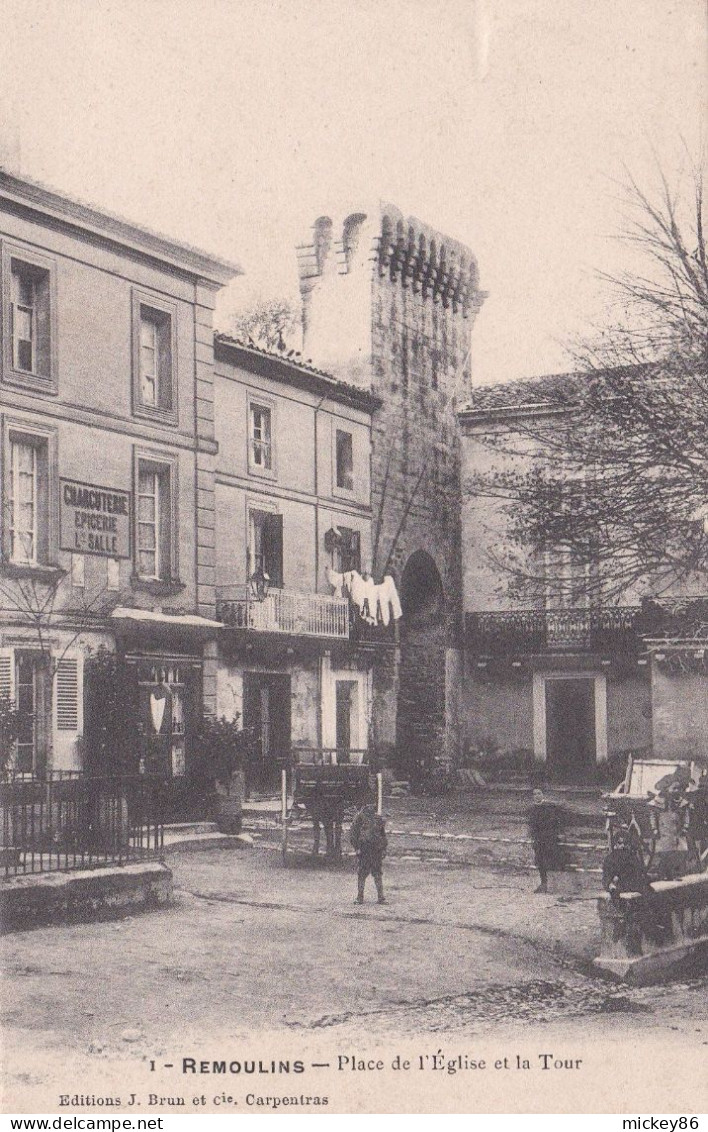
(347, 265)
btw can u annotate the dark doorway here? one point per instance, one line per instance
(420, 723)
(347, 701)
(570, 729)
(266, 715)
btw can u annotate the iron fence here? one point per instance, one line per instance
(66, 820)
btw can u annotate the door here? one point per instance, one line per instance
(346, 720)
(266, 716)
(570, 729)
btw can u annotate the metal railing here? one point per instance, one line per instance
(66, 820)
(531, 630)
(284, 611)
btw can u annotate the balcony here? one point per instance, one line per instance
(283, 611)
(554, 630)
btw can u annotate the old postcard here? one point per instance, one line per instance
(354, 557)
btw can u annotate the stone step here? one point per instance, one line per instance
(185, 829)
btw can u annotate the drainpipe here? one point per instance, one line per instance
(316, 489)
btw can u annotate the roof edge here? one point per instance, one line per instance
(295, 373)
(32, 195)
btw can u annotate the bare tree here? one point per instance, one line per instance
(605, 480)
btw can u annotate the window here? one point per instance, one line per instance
(266, 545)
(260, 454)
(344, 460)
(154, 390)
(566, 579)
(154, 542)
(32, 680)
(29, 310)
(346, 553)
(27, 691)
(26, 499)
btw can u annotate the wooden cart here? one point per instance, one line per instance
(326, 785)
(661, 800)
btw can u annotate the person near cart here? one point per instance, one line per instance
(545, 820)
(368, 836)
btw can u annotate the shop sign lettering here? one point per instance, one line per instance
(94, 520)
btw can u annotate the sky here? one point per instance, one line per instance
(233, 124)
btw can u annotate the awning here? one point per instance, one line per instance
(148, 623)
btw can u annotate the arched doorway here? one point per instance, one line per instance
(420, 724)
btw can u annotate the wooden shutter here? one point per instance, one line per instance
(43, 324)
(67, 693)
(350, 550)
(164, 355)
(68, 711)
(272, 547)
(7, 674)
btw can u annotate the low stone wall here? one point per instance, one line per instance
(651, 938)
(93, 894)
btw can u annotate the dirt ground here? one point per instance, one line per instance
(255, 955)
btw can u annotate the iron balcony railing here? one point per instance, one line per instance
(539, 630)
(284, 611)
(66, 820)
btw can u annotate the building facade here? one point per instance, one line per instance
(107, 480)
(388, 306)
(293, 508)
(551, 674)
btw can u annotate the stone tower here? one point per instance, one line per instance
(388, 305)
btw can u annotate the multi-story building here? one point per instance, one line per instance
(388, 306)
(293, 505)
(107, 476)
(551, 671)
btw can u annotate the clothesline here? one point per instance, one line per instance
(374, 601)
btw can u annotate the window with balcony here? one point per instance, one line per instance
(567, 578)
(29, 310)
(260, 439)
(154, 383)
(344, 460)
(266, 546)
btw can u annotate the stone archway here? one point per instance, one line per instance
(420, 724)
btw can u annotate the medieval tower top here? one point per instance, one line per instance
(368, 265)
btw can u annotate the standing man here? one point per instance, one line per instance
(368, 836)
(545, 822)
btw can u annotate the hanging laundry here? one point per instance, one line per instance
(370, 596)
(376, 603)
(336, 581)
(391, 595)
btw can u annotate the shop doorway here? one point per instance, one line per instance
(571, 743)
(347, 718)
(266, 716)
